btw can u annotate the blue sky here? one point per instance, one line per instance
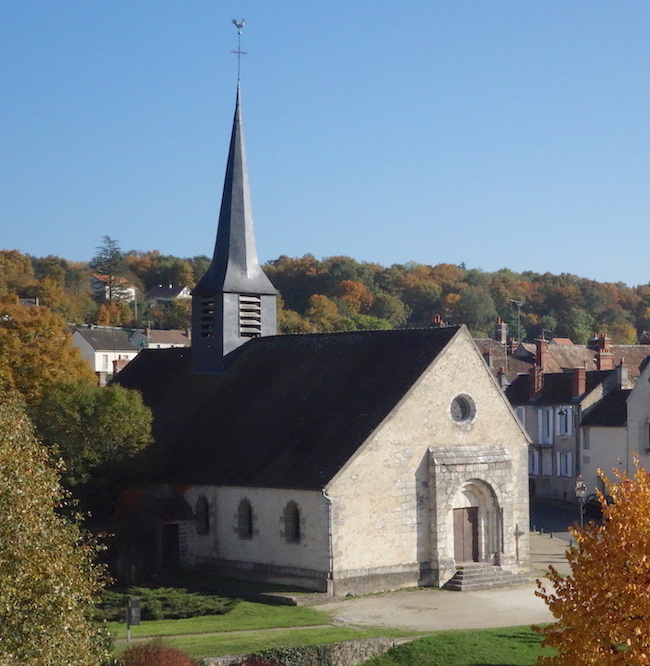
(498, 133)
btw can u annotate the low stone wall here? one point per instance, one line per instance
(346, 653)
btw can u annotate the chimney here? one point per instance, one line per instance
(604, 358)
(511, 346)
(622, 376)
(542, 352)
(487, 355)
(501, 331)
(578, 382)
(536, 382)
(439, 322)
(645, 338)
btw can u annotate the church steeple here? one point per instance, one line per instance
(234, 301)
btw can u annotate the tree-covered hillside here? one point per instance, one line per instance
(342, 294)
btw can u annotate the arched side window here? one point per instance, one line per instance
(245, 520)
(292, 527)
(202, 511)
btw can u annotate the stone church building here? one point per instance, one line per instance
(343, 462)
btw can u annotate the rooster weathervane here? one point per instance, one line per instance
(240, 26)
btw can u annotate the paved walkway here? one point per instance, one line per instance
(431, 610)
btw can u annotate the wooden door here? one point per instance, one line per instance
(466, 534)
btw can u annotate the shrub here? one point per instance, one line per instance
(163, 603)
(155, 653)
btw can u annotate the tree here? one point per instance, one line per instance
(109, 261)
(16, 272)
(324, 314)
(48, 582)
(35, 349)
(99, 432)
(603, 608)
(355, 295)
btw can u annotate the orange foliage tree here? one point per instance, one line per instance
(35, 349)
(603, 607)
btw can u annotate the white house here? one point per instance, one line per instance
(106, 349)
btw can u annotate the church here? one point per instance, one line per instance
(343, 463)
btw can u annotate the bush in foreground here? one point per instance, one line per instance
(163, 603)
(155, 653)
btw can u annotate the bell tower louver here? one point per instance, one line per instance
(234, 301)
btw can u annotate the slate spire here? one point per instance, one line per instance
(234, 301)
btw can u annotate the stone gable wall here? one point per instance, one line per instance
(386, 521)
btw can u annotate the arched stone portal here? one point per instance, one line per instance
(471, 509)
(476, 524)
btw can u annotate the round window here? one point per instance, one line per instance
(462, 408)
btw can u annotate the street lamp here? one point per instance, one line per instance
(581, 496)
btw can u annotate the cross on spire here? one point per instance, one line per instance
(240, 26)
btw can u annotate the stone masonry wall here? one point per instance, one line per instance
(382, 499)
(347, 653)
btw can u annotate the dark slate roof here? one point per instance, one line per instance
(235, 267)
(112, 339)
(609, 412)
(289, 411)
(165, 292)
(557, 387)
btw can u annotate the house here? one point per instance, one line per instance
(107, 287)
(167, 292)
(343, 462)
(604, 439)
(153, 338)
(552, 406)
(616, 430)
(106, 349)
(509, 359)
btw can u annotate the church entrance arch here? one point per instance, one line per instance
(476, 523)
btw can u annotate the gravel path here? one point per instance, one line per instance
(432, 610)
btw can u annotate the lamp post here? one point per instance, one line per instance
(581, 496)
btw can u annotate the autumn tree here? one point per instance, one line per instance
(36, 350)
(324, 314)
(48, 582)
(355, 295)
(602, 608)
(16, 272)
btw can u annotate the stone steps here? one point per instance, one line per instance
(482, 576)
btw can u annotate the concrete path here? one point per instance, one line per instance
(432, 610)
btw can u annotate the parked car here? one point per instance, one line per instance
(593, 508)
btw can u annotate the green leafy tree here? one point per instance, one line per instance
(602, 609)
(99, 432)
(110, 261)
(48, 581)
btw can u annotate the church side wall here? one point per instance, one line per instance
(270, 553)
(388, 523)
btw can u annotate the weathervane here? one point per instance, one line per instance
(240, 26)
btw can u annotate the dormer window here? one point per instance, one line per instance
(250, 316)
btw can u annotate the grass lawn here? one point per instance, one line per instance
(214, 645)
(244, 616)
(509, 646)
